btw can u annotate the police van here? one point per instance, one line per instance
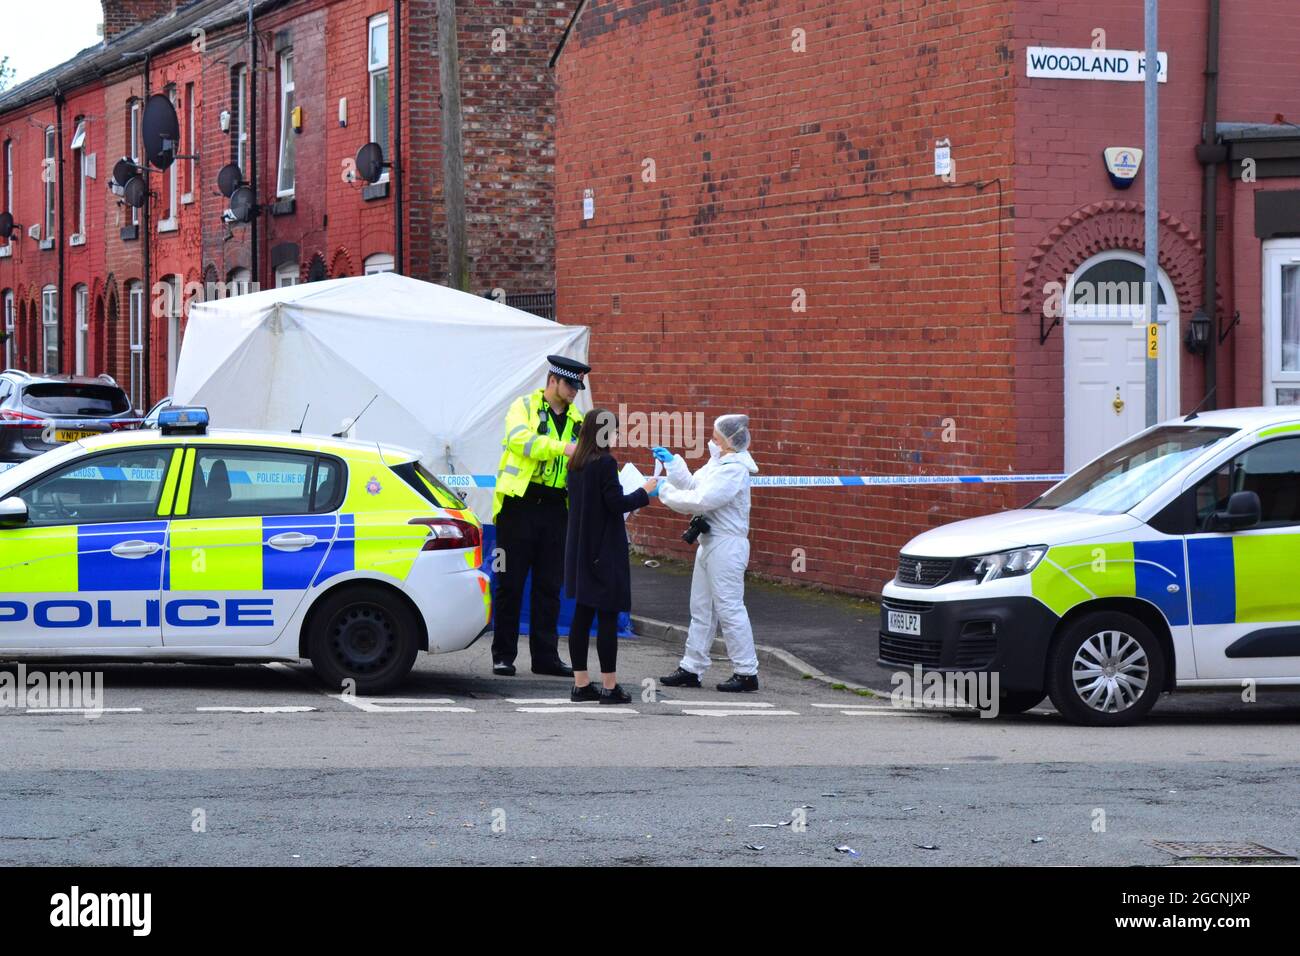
(184, 544)
(1172, 561)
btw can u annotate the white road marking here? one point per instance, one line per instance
(854, 706)
(604, 711)
(424, 705)
(290, 709)
(544, 700)
(717, 703)
(85, 711)
(742, 713)
(882, 712)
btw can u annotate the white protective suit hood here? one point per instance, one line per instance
(719, 491)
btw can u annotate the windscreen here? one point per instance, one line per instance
(64, 398)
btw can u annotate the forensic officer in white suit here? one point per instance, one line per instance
(719, 494)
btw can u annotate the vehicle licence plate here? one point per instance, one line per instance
(900, 622)
(72, 434)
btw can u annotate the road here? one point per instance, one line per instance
(256, 764)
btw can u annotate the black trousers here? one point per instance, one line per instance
(530, 534)
(606, 638)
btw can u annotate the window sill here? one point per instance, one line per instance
(47, 244)
(187, 199)
(374, 191)
(77, 240)
(129, 233)
(6, 251)
(168, 225)
(283, 207)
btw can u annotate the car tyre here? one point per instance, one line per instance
(1106, 669)
(364, 635)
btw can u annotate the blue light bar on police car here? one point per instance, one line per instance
(182, 420)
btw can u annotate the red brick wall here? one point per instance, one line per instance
(777, 171)
(122, 15)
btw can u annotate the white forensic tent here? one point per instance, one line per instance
(444, 364)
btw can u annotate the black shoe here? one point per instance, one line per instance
(502, 669)
(556, 669)
(615, 695)
(737, 683)
(584, 693)
(681, 678)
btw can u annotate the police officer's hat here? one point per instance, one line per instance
(568, 369)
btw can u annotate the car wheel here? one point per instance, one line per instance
(363, 635)
(1019, 701)
(1106, 670)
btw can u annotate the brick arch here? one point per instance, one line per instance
(1105, 226)
(341, 265)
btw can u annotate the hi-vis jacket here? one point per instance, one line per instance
(531, 451)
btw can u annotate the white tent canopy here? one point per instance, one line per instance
(444, 364)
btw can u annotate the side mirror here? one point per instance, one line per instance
(13, 512)
(1243, 511)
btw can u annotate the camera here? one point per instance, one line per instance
(697, 527)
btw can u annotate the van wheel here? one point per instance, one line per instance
(361, 634)
(1106, 670)
(1019, 701)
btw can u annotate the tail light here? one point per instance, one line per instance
(21, 419)
(119, 425)
(449, 534)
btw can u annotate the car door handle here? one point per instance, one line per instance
(291, 541)
(135, 549)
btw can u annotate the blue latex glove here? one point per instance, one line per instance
(655, 492)
(662, 454)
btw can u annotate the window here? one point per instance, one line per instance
(50, 328)
(81, 306)
(1282, 322)
(78, 147)
(378, 66)
(168, 221)
(1271, 470)
(239, 117)
(119, 486)
(237, 482)
(135, 320)
(8, 159)
(189, 143)
(239, 282)
(286, 275)
(133, 142)
(48, 177)
(284, 185)
(379, 262)
(174, 306)
(10, 328)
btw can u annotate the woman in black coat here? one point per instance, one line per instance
(596, 570)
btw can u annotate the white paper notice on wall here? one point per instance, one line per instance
(942, 158)
(588, 204)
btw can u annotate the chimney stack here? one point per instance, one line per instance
(122, 15)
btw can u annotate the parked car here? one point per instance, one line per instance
(40, 412)
(182, 544)
(1169, 562)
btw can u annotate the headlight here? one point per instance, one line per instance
(1006, 564)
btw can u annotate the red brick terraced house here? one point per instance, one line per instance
(887, 230)
(288, 90)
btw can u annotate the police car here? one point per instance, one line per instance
(1172, 561)
(184, 545)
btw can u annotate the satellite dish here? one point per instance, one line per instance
(229, 179)
(123, 170)
(370, 162)
(161, 133)
(6, 224)
(242, 204)
(134, 191)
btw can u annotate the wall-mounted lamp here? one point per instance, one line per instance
(224, 119)
(1198, 334)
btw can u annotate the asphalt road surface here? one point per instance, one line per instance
(208, 765)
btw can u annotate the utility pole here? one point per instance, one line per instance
(453, 163)
(1152, 220)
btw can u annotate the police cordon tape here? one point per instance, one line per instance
(817, 481)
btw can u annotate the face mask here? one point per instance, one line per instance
(714, 450)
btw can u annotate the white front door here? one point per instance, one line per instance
(1105, 358)
(1282, 322)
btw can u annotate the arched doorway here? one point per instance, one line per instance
(1105, 354)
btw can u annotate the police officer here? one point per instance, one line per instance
(530, 510)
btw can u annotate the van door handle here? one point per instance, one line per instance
(291, 541)
(135, 549)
